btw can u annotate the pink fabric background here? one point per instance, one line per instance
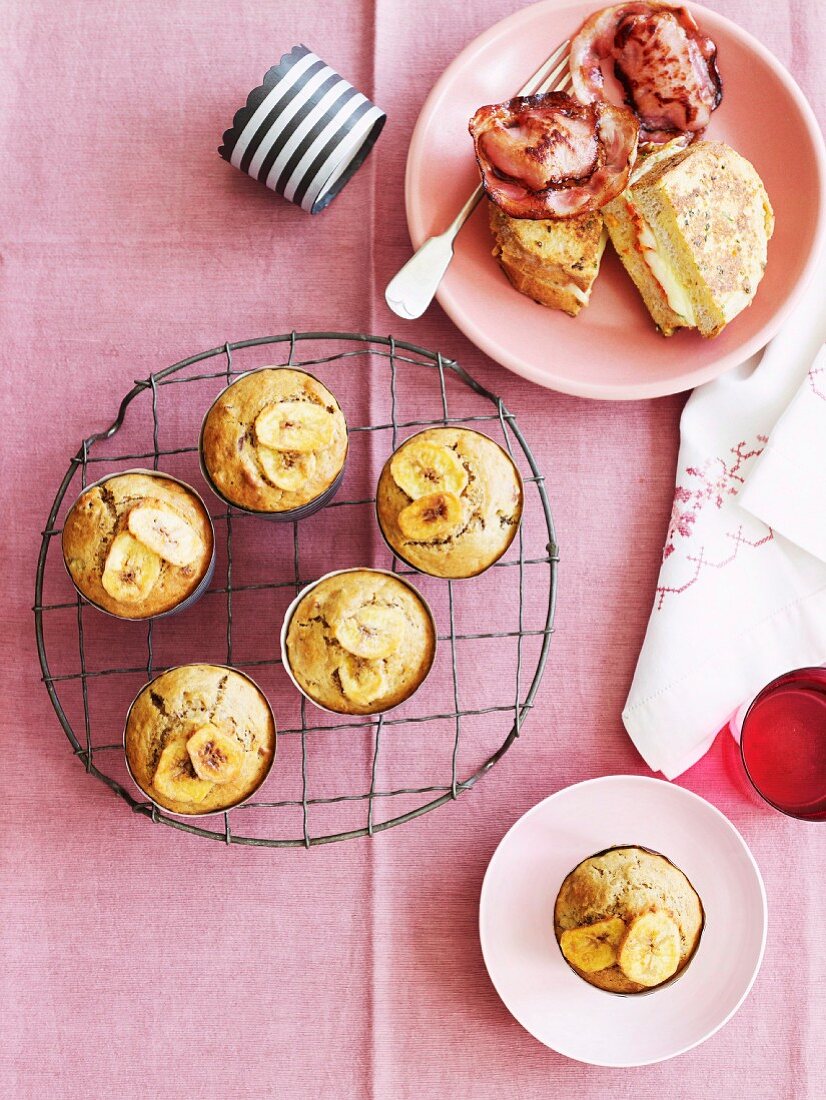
(139, 961)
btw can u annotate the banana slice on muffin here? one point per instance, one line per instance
(436, 516)
(650, 950)
(165, 531)
(296, 426)
(131, 569)
(424, 467)
(215, 756)
(372, 631)
(287, 470)
(594, 946)
(363, 682)
(175, 778)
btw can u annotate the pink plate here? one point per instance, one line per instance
(612, 350)
(517, 931)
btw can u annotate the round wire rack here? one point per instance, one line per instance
(338, 778)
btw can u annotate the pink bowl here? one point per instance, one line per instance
(612, 350)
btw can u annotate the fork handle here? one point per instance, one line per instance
(414, 287)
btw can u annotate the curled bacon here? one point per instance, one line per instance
(666, 65)
(547, 156)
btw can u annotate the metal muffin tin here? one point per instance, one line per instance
(218, 809)
(202, 585)
(294, 514)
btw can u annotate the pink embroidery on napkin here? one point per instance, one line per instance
(713, 483)
(702, 562)
(816, 386)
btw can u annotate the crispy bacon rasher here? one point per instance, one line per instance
(666, 65)
(548, 156)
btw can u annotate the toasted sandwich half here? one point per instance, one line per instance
(692, 230)
(553, 262)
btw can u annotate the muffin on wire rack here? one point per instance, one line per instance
(359, 641)
(199, 739)
(449, 502)
(274, 443)
(139, 544)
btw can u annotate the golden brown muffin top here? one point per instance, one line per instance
(137, 544)
(199, 738)
(625, 883)
(360, 642)
(274, 440)
(449, 502)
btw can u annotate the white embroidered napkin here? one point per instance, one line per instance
(741, 595)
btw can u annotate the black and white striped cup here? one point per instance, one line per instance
(304, 132)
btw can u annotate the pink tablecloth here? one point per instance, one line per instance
(138, 961)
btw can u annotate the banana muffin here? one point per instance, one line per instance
(199, 739)
(138, 544)
(627, 920)
(359, 641)
(275, 441)
(449, 502)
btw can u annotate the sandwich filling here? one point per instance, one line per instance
(661, 268)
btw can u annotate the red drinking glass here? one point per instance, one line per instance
(783, 743)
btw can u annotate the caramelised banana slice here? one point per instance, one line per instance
(175, 777)
(374, 631)
(593, 947)
(288, 470)
(166, 532)
(361, 681)
(422, 467)
(131, 569)
(436, 516)
(294, 426)
(216, 758)
(650, 950)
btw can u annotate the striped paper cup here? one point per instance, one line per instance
(304, 132)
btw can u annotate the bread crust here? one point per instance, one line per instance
(553, 262)
(625, 882)
(102, 511)
(228, 445)
(493, 498)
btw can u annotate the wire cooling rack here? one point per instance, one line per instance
(439, 392)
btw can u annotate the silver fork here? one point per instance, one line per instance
(414, 287)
